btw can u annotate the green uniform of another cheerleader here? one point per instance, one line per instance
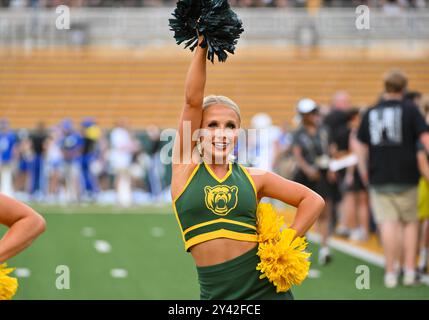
(210, 208)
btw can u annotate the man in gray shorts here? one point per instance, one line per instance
(389, 134)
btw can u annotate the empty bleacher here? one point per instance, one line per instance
(146, 86)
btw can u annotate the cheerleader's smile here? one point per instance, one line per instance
(222, 146)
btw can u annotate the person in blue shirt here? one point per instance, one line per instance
(71, 147)
(7, 151)
(90, 135)
(37, 181)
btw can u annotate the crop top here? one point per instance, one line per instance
(210, 208)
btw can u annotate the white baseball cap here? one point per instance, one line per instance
(305, 106)
(261, 121)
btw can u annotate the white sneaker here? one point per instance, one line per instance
(410, 278)
(358, 234)
(390, 280)
(324, 256)
(342, 231)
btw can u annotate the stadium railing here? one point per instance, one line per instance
(148, 26)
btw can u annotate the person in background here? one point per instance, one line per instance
(387, 151)
(263, 137)
(355, 206)
(54, 164)
(414, 97)
(123, 147)
(38, 140)
(423, 201)
(25, 157)
(8, 143)
(71, 147)
(284, 163)
(311, 152)
(155, 170)
(337, 123)
(91, 133)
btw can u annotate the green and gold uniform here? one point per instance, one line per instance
(210, 208)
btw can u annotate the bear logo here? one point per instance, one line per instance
(221, 199)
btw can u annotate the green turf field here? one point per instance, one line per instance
(147, 244)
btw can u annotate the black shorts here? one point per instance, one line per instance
(356, 186)
(322, 186)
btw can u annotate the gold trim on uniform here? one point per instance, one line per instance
(249, 177)
(180, 194)
(187, 182)
(222, 233)
(178, 221)
(214, 175)
(220, 220)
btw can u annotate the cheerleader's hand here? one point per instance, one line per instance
(8, 285)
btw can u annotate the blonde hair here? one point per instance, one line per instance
(225, 101)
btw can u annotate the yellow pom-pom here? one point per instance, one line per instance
(284, 261)
(8, 285)
(268, 223)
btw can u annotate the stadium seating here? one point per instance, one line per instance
(146, 86)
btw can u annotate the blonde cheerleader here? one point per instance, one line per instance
(240, 247)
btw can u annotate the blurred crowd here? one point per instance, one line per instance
(387, 4)
(70, 163)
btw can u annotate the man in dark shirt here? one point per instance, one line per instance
(38, 139)
(389, 133)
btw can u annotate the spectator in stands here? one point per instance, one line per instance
(389, 133)
(71, 146)
(38, 140)
(311, 152)
(392, 7)
(8, 142)
(91, 133)
(123, 147)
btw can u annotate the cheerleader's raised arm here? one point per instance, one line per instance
(191, 115)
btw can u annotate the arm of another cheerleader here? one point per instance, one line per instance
(308, 203)
(423, 163)
(192, 108)
(25, 225)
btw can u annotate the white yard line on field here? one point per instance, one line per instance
(354, 251)
(119, 273)
(102, 246)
